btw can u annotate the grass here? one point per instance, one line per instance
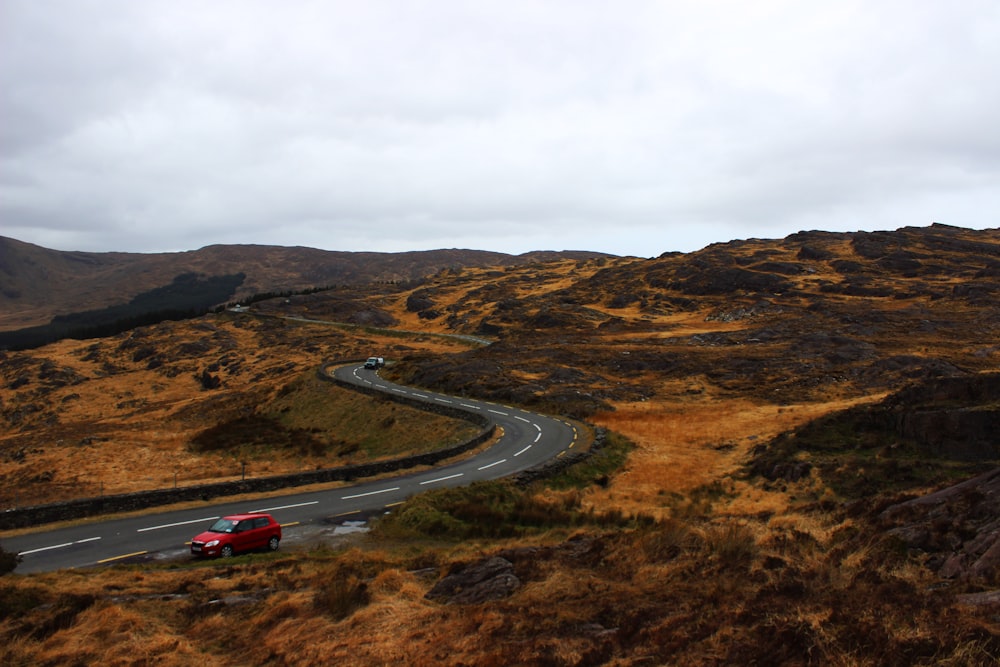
(87, 416)
(598, 467)
(656, 551)
(595, 589)
(318, 423)
(858, 455)
(490, 510)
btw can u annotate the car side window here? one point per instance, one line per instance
(260, 522)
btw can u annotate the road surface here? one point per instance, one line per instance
(527, 440)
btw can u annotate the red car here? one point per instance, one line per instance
(238, 532)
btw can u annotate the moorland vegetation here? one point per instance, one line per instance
(799, 468)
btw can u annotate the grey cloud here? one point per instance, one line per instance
(511, 126)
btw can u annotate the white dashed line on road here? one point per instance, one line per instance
(58, 546)
(441, 479)
(179, 523)
(285, 507)
(370, 493)
(490, 465)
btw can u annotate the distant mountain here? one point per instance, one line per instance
(38, 284)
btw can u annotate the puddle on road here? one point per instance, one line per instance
(349, 527)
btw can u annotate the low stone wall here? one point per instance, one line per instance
(125, 502)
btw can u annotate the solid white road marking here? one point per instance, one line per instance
(419, 395)
(284, 507)
(441, 479)
(443, 400)
(523, 450)
(497, 412)
(538, 437)
(179, 523)
(370, 493)
(490, 465)
(471, 407)
(526, 421)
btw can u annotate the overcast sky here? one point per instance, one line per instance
(627, 127)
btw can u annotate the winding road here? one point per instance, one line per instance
(528, 439)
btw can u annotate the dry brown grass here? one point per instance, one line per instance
(684, 446)
(119, 427)
(681, 591)
(730, 572)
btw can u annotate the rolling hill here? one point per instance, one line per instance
(811, 476)
(37, 284)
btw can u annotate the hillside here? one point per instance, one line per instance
(37, 284)
(808, 474)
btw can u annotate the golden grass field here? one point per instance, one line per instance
(677, 559)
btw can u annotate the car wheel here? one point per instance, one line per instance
(273, 543)
(227, 551)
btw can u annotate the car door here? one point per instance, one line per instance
(243, 535)
(263, 529)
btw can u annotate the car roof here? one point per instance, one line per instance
(253, 515)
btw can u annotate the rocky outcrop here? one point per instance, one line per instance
(953, 417)
(489, 579)
(958, 527)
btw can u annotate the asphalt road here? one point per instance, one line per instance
(528, 439)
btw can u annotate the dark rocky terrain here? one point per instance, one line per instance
(37, 284)
(811, 479)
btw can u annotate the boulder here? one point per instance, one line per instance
(488, 579)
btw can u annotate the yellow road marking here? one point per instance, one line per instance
(137, 553)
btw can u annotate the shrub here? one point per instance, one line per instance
(732, 544)
(608, 458)
(665, 540)
(15, 601)
(496, 509)
(341, 596)
(8, 561)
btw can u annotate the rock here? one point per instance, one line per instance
(419, 301)
(489, 579)
(791, 471)
(959, 527)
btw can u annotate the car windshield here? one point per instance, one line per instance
(223, 526)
